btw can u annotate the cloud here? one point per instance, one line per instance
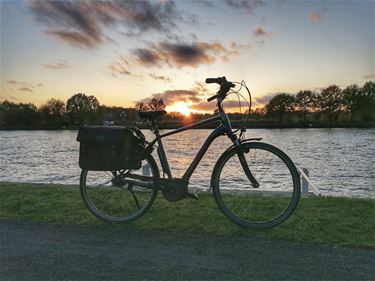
(315, 17)
(182, 54)
(82, 23)
(160, 77)
(369, 76)
(78, 39)
(57, 65)
(119, 66)
(173, 96)
(173, 55)
(9, 98)
(260, 32)
(25, 89)
(227, 104)
(263, 99)
(244, 6)
(146, 56)
(204, 106)
(24, 86)
(188, 54)
(73, 22)
(20, 83)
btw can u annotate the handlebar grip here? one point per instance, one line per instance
(212, 98)
(213, 80)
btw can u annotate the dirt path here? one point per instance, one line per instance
(34, 251)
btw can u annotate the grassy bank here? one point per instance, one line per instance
(330, 221)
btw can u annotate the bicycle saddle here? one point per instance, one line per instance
(151, 114)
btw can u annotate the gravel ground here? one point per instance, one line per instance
(36, 251)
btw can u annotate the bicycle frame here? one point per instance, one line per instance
(224, 128)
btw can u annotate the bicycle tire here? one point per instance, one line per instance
(266, 206)
(117, 203)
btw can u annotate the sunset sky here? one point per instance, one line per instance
(124, 52)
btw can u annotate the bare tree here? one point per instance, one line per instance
(153, 104)
(156, 104)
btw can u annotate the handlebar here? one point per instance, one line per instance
(212, 98)
(217, 80)
(224, 87)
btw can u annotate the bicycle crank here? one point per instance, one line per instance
(173, 189)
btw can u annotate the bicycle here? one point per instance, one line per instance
(254, 184)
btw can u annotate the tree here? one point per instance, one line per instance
(304, 102)
(153, 104)
(367, 101)
(81, 108)
(140, 106)
(21, 114)
(156, 104)
(258, 113)
(53, 112)
(330, 101)
(351, 99)
(8, 113)
(175, 116)
(279, 105)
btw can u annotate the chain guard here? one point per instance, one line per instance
(173, 189)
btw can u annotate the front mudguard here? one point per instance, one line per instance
(240, 152)
(243, 141)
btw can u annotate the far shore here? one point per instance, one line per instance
(250, 125)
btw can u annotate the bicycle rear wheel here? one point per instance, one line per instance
(266, 206)
(109, 198)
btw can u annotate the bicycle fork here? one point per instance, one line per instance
(245, 167)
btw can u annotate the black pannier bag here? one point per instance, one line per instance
(110, 148)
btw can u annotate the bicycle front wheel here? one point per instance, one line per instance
(265, 206)
(108, 197)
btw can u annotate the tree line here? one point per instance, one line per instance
(329, 106)
(332, 105)
(77, 110)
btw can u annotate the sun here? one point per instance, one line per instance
(180, 107)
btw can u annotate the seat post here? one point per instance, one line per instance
(161, 151)
(154, 126)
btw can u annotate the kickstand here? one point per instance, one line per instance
(192, 196)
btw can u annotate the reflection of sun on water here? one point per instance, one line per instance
(180, 107)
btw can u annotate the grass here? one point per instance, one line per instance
(318, 220)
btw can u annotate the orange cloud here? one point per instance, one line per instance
(369, 76)
(173, 96)
(315, 17)
(259, 31)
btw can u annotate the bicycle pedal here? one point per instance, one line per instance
(192, 196)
